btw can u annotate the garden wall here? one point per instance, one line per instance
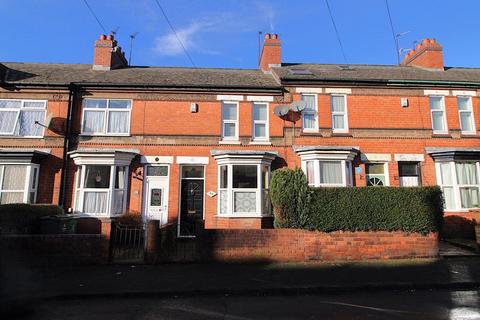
(289, 245)
(54, 249)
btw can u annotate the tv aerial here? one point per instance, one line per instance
(132, 38)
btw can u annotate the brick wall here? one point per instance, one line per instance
(288, 245)
(61, 249)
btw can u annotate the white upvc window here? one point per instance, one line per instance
(244, 189)
(465, 113)
(460, 184)
(230, 120)
(328, 173)
(18, 117)
(439, 117)
(310, 113)
(106, 117)
(18, 183)
(339, 112)
(377, 174)
(101, 190)
(260, 126)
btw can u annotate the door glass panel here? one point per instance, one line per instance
(157, 171)
(156, 197)
(192, 172)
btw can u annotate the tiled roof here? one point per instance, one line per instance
(382, 73)
(51, 73)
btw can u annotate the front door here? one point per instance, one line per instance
(191, 205)
(156, 195)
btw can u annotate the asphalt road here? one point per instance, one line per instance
(425, 304)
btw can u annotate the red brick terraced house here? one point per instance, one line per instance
(181, 145)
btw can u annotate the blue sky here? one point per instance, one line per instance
(224, 33)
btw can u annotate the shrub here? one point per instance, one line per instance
(417, 209)
(130, 218)
(25, 218)
(290, 197)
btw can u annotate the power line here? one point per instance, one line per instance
(336, 32)
(95, 16)
(395, 36)
(175, 33)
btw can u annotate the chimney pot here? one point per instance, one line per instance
(102, 37)
(110, 37)
(427, 54)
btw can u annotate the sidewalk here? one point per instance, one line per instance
(23, 284)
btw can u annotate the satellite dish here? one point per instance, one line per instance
(281, 110)
(298, 106)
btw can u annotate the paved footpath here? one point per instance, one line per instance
(20, 283)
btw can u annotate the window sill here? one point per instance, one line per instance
(310, 133)
(261, 143)
(469, 135)
(237, 142)
(19, 137)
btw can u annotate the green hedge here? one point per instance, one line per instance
(25, 218)
(417, 209)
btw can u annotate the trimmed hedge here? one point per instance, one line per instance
(25, 218)
(417, 209)
(296, 205)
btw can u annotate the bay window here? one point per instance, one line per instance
(459, 181)
(18, 183)
(18, 117)
(327, 166)
(243, 183)
(106, 117)
(465, 112)
(101, 181)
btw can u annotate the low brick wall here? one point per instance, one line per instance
(288, 245)
(54, 249)
(300, 245)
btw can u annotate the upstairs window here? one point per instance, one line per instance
(230, 120)
(106, 117)
(465, 113)
(17, 117)
(310, 113)
(260, 121)
(339, 113)
(439, 119)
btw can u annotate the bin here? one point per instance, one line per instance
(58, 224)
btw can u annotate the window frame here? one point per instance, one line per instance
(230, 190)
(346, 168)
(30, 184)
(236, 122)
(472, 116)
(19, 110)
(418, 169)
(307, 111)
(80, 189)
(385, 173)
(344, 113)
(444, 112)
(265, 122)
(106, 112)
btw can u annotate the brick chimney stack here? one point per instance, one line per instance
(427, 54)
(271, 55)
(107, 55)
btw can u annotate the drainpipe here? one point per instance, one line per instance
(72, 95)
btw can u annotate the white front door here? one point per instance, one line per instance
(156, 199)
